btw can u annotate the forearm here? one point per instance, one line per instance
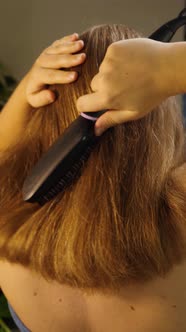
(15, 114)
(175, 68)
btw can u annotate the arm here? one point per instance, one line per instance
(15, 114)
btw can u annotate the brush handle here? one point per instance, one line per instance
(166, 32)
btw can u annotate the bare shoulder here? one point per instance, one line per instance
(164, 297)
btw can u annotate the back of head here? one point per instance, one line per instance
(123, 221)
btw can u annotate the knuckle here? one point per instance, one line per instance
(51, 75)
(38, 61)
(64, 60)
(104, 78)
(55, 42)
(69, 47)
(112, 48)
(106, 98)
(41, 59)
(93, 84)
(61, 48)
(108, 66)
(47, 50)
(65, 38)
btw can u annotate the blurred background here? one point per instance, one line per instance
(27, 27)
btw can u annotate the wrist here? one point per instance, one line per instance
(18, 97)
(23, 86)
(173, 68)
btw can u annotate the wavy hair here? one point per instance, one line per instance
(124, 220)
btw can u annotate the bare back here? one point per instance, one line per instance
(157, 307)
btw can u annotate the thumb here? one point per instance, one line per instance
(91, 103)
(112, 118)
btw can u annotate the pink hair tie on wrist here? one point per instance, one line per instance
(94, 115)
(88, 116)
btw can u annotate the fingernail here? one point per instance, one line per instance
(72, 75)
(99, 131)
(81, 56)
(80, 42)
(74, 37)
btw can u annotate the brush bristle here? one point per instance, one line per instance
(73, 174)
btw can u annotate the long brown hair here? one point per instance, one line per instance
(124, 220)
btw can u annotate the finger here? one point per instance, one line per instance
(96, 82)
(74, 36)
(91, 103)
(50, 76)
(41, 98)
(57, 61)
(113, 118)
(65, 48)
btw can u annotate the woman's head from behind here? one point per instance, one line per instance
(122, 222)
